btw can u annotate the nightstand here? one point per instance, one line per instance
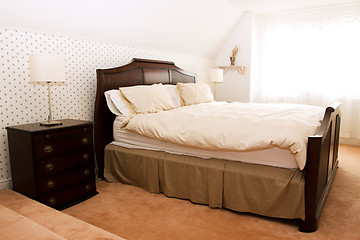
(53, 165)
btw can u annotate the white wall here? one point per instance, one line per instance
(22, 103)
(236, 87)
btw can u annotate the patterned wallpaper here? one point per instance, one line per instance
(21, 102)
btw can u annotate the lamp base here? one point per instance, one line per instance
(50, 123)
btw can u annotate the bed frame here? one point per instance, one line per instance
(322, 151)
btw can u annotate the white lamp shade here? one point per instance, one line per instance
(46, 69)
(216, 75)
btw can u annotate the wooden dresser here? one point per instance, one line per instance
(53, 165)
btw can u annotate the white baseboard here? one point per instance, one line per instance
(5, 184)
(350, 141)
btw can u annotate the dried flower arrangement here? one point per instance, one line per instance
(233, 57)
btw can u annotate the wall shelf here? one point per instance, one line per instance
(240, 69)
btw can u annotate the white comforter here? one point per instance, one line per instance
(233, 126)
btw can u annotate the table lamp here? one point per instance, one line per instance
(216, 76)
(47, 70)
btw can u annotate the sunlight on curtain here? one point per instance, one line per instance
(312, 57)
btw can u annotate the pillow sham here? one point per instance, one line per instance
(171, 89)
(194, 93)
(115, 103)
(148, 99)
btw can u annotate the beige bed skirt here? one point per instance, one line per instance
(243, 187)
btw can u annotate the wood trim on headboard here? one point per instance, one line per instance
(137, 72)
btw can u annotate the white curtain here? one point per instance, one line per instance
(311, 57)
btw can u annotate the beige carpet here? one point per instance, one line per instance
(133, 213)
(22, 218)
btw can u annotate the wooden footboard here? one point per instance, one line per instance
(321, 166)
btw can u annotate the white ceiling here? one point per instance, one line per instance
(263, 6)
(197, 27)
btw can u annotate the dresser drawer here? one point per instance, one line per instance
(69, 196)
(49, 135)
(56, 164)
(65, 179)
(62, 144)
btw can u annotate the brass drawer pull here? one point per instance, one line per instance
(48, 148)
(85, 140)
(50, 184)
(86, 156)
(52, 201)
(49, 166)
(87, 187)
(86, 172)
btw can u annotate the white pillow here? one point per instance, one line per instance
(171, 89)
(115, 103)
(194, 93)
(148, 99)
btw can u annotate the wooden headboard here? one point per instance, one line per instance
(137, 72)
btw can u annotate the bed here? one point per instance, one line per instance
(217, 182)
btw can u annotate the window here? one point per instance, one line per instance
(312, 57)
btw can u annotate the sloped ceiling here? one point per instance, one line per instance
(197, 27)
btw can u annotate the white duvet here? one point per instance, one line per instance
(233, 126)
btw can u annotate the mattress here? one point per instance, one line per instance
(275, 157)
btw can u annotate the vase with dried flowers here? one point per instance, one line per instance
(233, 57)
